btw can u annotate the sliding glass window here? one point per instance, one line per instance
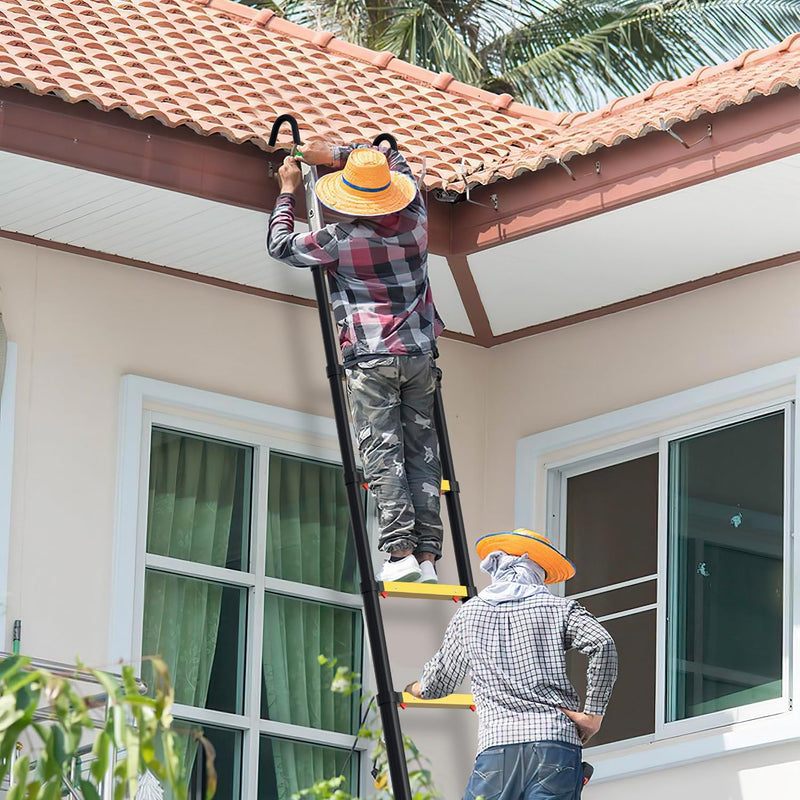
(726, 541)
(681, 547)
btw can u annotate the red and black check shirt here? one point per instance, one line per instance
(377, 270)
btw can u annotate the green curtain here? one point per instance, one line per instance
(308, 527)
(190, 507)
(308, 541)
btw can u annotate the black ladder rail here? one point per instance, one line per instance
(452, 495)
(386, 698)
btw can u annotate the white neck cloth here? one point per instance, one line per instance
(513, 578)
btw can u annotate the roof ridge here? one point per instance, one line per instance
(382, 59)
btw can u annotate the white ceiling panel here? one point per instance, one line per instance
(145, 223)
(692, 233)
(446, 296)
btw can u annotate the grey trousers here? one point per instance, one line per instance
(391, 401)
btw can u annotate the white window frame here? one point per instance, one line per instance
(543, 461)
(751, 711)
(7, 402)
(146, 403)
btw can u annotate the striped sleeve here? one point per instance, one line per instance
(448, 667)
(588, 636)
(320, 248)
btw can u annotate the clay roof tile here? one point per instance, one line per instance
(222, 68)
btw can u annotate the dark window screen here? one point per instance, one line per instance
(612, 537)
(612, 516)
(631, 711)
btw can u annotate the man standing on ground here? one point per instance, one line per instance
(513, 638)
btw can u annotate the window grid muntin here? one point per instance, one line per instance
(254, 581)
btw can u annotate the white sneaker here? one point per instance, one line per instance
(406, 570)
(428, 572)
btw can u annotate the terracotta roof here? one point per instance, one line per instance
(222, 68)
(706, 91)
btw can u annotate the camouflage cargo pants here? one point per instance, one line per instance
(391, 401)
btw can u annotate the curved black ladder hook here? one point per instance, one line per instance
(385, 137)
(279, 122)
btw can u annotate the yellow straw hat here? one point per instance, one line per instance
(522, 541)
(366, 187)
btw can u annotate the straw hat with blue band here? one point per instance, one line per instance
(366, 187)
(521, 542)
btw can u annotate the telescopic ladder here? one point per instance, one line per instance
(386, 697)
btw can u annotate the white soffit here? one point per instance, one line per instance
(110, 215)
(443, 286)
(718, 225)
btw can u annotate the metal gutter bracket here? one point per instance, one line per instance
(667, 129)
(495, 204)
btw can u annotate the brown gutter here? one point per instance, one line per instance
(763, 130)
(144, 151)
(110, 142)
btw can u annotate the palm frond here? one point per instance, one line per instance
(416, 32)
(582, 52)
(566, 54)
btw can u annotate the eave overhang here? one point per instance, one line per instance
(144, 151)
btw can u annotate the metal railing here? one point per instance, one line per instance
(93, 701)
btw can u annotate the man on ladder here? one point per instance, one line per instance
(376, 262)
(513, 638)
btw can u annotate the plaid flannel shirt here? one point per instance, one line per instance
(377, 271)
(516, 654)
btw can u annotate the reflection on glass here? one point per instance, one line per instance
(286, 767)
(196, 627)
(296, 688)
(198, 505)
(227, 745)
(308, 527)
(726, 534)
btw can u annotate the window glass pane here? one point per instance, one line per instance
(198, 506)
(197, 628)
(726, 533)
(286, 767)
(631, 711)
(296, 688)
(227, 762)
(613, 510)
(309, 537)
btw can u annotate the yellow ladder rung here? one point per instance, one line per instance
(451, 701)
(424, 591)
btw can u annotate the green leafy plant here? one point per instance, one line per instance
(345, 681)
(120, 733)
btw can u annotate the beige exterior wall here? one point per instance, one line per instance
(81, 324)
(596, 367)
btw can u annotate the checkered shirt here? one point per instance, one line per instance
(516, 654)
(377, 272)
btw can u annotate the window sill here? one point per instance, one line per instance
(645, 754)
